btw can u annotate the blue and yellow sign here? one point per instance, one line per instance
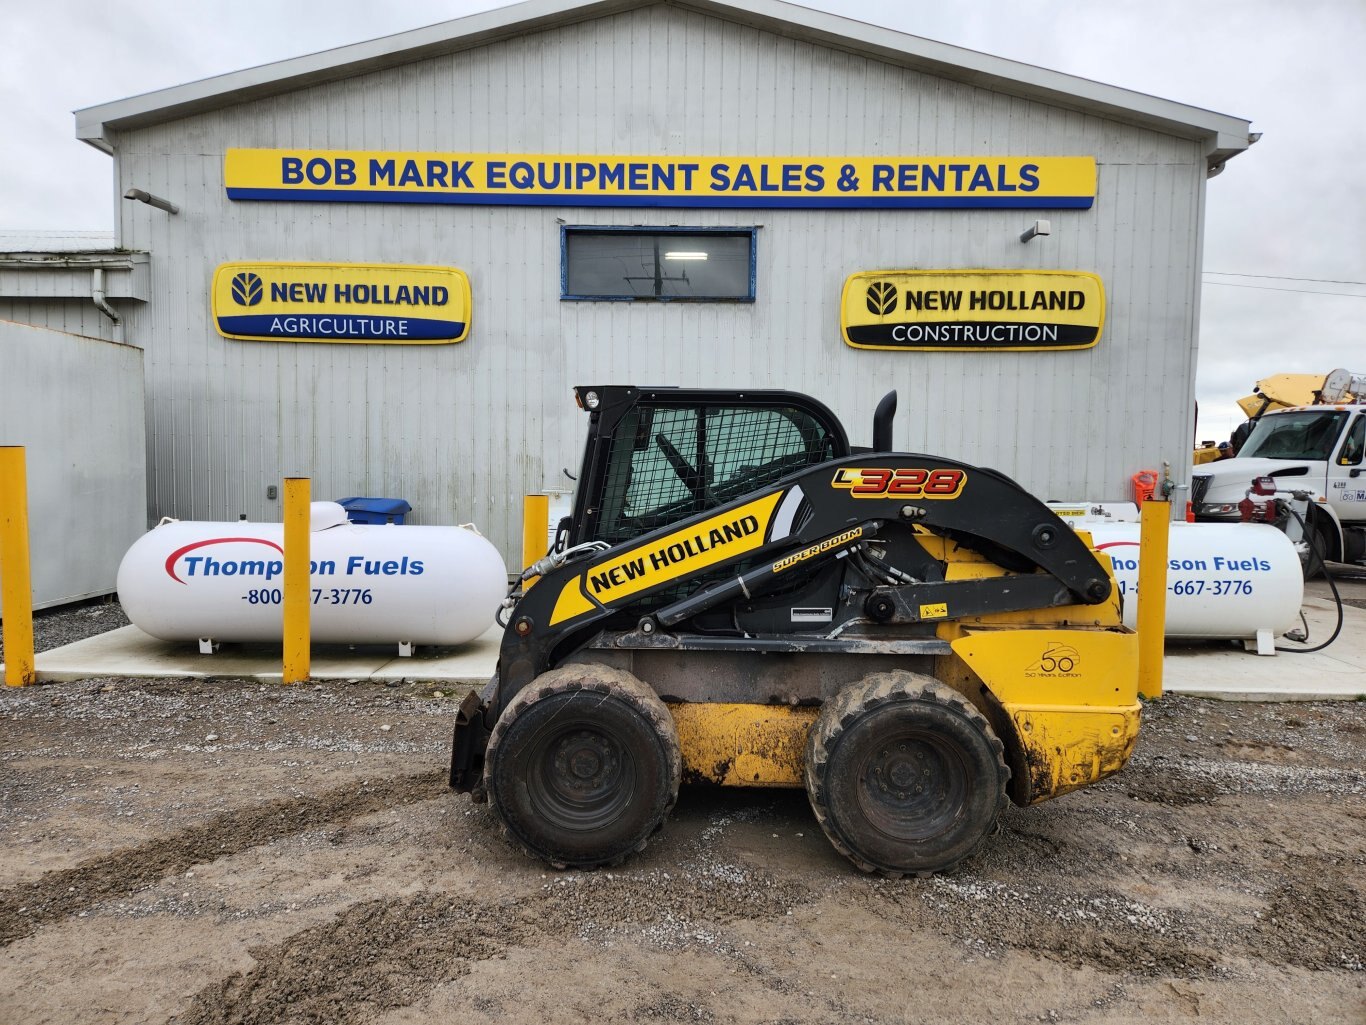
(972, 309)
(356, 176)
(341, 302)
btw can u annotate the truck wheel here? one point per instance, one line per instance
(583, 765)
(904, 774)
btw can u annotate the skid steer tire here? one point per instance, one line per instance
(904, 774)
(583, 765)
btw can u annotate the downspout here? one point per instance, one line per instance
(102, 304)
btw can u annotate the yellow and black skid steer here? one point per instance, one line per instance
(739, 598)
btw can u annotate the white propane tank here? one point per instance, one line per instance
(370, 584)
(1077, 513)
(1224, 580)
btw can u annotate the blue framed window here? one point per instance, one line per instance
(644, 264)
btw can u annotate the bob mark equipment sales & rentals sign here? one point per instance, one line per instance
(361, 176)
(341, 302)
(972, 309)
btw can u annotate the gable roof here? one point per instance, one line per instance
(1224, 136)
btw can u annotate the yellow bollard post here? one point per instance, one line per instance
(1154, 527)
(535, 528)
(297, 596)
(16, 583)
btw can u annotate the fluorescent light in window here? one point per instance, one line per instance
(685, 255)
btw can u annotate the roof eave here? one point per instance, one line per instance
(1224, 136)
(98, 125)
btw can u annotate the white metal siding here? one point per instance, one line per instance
(72, 316)
(75, 404)
(461, 431)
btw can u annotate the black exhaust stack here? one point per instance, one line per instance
(882, 423)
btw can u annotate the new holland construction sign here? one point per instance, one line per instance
(972, 309)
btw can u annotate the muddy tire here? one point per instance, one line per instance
(904, 774)
(583, 765)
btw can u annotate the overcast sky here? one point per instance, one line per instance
(1292, 209)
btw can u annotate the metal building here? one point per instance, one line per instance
(75, 404)
(72, 281)
(489, 143)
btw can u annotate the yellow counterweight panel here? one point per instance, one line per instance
(1090, 668)
(743, 745)
(1071, 696)
(1067, 747)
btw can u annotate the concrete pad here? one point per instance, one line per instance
(130, 652)
(1221, 669)
(1215, 669)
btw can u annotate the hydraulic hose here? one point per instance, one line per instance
(1332, 585)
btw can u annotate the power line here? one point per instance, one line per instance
(1274, 288)
(1283, 277)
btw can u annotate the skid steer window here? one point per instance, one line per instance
(668, 463)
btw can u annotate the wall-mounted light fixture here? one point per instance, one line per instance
(151, 200)
(1037, 228)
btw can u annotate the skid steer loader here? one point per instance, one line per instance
(741, 599)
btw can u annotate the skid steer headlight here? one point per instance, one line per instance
(591, 400)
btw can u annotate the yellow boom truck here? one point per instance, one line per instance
(739, 598)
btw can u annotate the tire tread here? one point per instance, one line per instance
(845, 709)
(597, 679)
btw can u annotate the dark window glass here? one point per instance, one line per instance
(1355, 446)
(667, 464)
(1307, 435)
(653, 264)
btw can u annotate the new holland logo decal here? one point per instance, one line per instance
(247, 289)
(881, 298)
(717, 539)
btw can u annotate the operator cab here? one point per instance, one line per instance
(659, 455)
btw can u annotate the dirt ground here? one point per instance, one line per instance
(228, 852)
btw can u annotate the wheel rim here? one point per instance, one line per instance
(912, 786)
(582, 778)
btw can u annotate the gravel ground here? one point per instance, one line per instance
(192, 852)
(54, 627)
(187, 851)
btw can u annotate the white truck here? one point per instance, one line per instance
(1317, 451)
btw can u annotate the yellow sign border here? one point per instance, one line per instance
(908, 181)
(978, 271)
(459, 277)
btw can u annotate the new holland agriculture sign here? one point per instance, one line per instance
(972, 309)
(356, 176)
(341, 302)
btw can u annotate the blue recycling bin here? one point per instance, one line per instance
(375, 510)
